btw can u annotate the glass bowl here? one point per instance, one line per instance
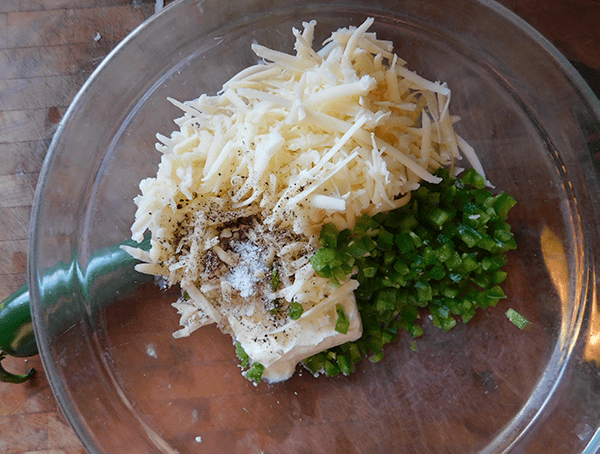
(105, 336)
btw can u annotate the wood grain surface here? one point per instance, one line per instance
(48, 48)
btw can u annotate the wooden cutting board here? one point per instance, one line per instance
(48, 48)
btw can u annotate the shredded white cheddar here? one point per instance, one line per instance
(253, 172)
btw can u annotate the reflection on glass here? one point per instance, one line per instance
(555, 259)
(592, 345)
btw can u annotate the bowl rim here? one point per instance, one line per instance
(57, 386)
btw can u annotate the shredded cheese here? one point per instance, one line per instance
(253, 172)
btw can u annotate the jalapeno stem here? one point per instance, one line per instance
(8, 377)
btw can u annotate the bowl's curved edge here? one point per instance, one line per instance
(34, 279)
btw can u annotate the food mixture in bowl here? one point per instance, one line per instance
(291, 149)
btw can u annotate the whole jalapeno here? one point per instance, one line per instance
(17, 337)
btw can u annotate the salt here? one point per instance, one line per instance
(244, 276)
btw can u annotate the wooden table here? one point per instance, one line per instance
(47, 50)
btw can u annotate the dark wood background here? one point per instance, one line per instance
(48, 48)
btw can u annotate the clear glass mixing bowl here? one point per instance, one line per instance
(126, 385)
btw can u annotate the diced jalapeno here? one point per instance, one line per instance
(443, 251)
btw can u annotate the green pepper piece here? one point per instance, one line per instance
(385, 240)
(375, 344)
(498, 277)
(241, 354)
(320, 259)
(429, 256)
(444, 252)
(401, 267)
(345, 364)
(376, 357)
(517, 319)
(417, 240)
(337, 262)
(331, 369)
(472, 178)
(295, 310)
(343, 322)
(483, 280)
(316, 362)
(414, 330)
(364, 224)
(469, 264)
(387, 336)
(468, 235)
(449, 292)
(354, 352)
(503, 235)
(329, 236)
(436, 273)
(438, 217)
(503, 204)
(408, 223)
(361, 246)
(370, 271)
(442, 318)
(389, 257)
(488, 244)
(385, 300)
(404, 242)
(255, 372)
(274, 279)
(424, 292)
(497, 262)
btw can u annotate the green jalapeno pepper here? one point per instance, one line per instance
(17, 336)
(16, 332)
